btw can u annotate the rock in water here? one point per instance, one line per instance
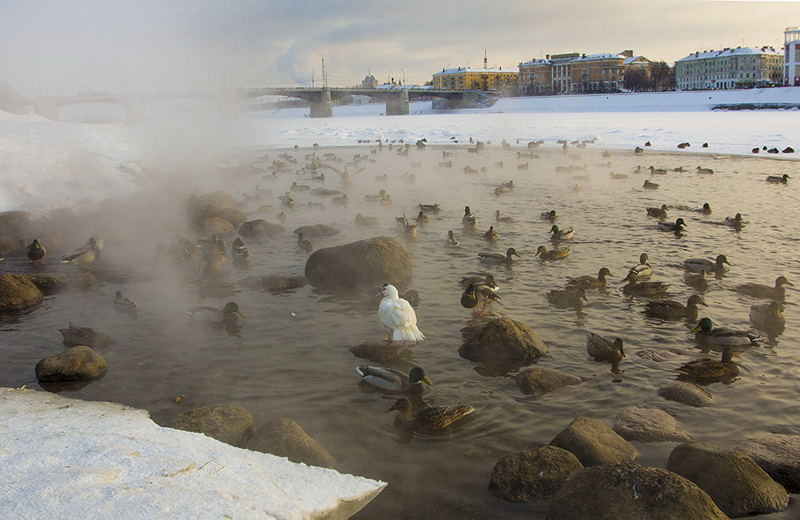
(638, 423)
(686, 393)
(778, 455)
(503, 340)
(76, 364)
(540, 381)
(227, 423)
(285, 438)
(371, 262)
(533, 476)
(594, 443)
(17, 293)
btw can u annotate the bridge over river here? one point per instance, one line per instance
(229, 100)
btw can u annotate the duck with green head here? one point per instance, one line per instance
(643, 270)
(488, 257)
(35, 252)
(478, 295)
(701, 264)
(674, 227)
(706, 333)
(561, 234)
(393, 380)
(469, 220)
(429, 420)
(216, 315)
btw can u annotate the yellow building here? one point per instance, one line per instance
(486, 79)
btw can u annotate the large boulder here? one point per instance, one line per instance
(215, 226)
(540, 381)
(370, 262)
(638, 423)
(594, 443)
(232, 215)
(317, 230)
(532, 476)
(778, 455)
(260, 228)
(50, 283)
(221, 199)
(631, 492)
(503, 340)
(227, 423)
(733, 481)
(285, 438)
(75, 364)
(686, 393)
(17, 292)
(76, 335)
(14, 224)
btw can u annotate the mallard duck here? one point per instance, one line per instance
(768, 317)
(650, 185)
(705, 209)
(497, 258)
(638, 288)
(430, 207)
(428, 420)
(124, 304)
(602, 349)
(211, 262)
(375, 196)
(700, 169)
(397, 316)
(672, 310)
(479, 294)
(697, 281)
(504, 220)
(657, 171)
(393, 380)
(469, 220)
(184, 250)
(706, 333)
(452, 240)
(658, 212)
(86, 254)
(764, 291)
(590, 282)
(642, 269)
(701, 264)
(548, 215)
(361, 220)
(422, 218)
(555, 254)
(216, 315)
(213, 244)
(483, 280)
(239, 251)
(77, 336)
(569, 298)
(340, 201)
(734, 222)
(35, 252)
(783, 179)
(675, 227)
(304, 243)
(491, 235)
(706, 369)
(561, 234)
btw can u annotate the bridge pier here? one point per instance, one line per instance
(323, 107)
(47, 107)
(398, 106)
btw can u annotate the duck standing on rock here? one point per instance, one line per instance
(709, 370)
(757, 290)
(393, 380)
(35, 252)
(86, 254)
(479, 294)
(555, 254)
(397, 316)
(430, 419)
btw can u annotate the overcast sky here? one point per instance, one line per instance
(69, 46)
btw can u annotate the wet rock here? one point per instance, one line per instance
(733, 481)
(76, 336)
(50, 283)
(227, 423)
(594, 443)
(215, 226)
(632, 492)
(637, 423)
(533, 476)
(12, 247)
(285, 438)
(778, 455)
(686, 393)
(317, 230)
(232, 215)
(260, 228)
(220, 199)
(503, 340)
(370, 262)
(14, 224)
(540, 381)
(381, 351)
(76, 364)
(17, 292)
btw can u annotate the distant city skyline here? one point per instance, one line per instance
(51, 47)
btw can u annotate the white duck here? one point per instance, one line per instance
(397, 316)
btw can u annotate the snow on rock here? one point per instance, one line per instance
(64, 458)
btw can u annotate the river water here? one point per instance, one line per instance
(291, 359)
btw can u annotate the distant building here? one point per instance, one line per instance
(574, 72)
(742, 67)
(369, 82)
(791, 57)
(486, 79)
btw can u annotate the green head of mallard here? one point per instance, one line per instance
(618, 345)
(511, 252)
(417, 375)
(680, 222)
(554, 229)
(232, 308)
(704, 325)
(722, 259)
(643, 258)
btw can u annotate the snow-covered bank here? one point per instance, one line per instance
(62, 458)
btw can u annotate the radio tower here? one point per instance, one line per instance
(485, 60)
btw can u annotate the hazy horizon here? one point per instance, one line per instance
(53, 48)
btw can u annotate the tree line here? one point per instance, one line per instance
(655, 77)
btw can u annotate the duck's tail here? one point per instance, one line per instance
(408, 333)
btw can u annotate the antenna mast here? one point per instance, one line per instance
(324, 73)
(485, 59)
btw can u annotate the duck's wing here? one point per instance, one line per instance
(385, 378)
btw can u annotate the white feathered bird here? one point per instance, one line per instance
(397, 316)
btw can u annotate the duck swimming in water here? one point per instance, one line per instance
(397, 316)
(658, 212)
(561, 234)
(572, 297)
(672, 310)
(757, 290)
(469, 220)
(605, 350)
(709, 370)
(554, 254)
(393, 380)
(428, 420)
(590, 282)
(675, 227)
(497, 258)
(216, 315)
(707, 334)
(642, 270)
(768, 317)
(701, 264)
(638, 288)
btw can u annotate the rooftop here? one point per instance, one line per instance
(738, 51)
